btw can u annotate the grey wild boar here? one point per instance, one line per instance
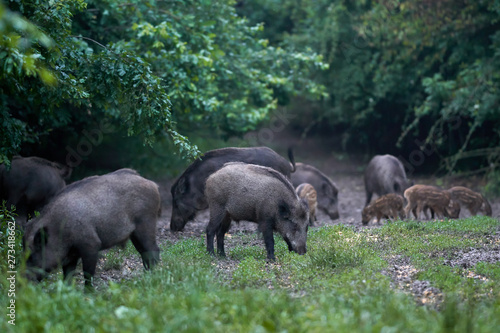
(91, 215)
(389, 206)
(30, 183)
(325, 188)
(473, 201)
(306, 191)
(188, 191)
(421, 197)
(385, 174)
(258, 194)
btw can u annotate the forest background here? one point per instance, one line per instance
(106, 84)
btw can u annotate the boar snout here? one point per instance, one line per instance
(297, 247)
(333, 215)
(301, 249)
(35, 274)
(176, 224)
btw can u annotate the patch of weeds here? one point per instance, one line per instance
(241, 252)
(446, 278)
(420, 241)
(337, 247)
(245, 247)
(473, 225)
(252, 273)
(188, 250)
(491, 271)
(113, 259)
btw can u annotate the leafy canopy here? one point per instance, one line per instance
(152, 68)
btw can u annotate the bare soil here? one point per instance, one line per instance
(347, 172)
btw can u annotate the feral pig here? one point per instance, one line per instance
(258, 194)
(389, 206)
(188, 191)
(385, 174)
(325, 188)
(471, 200)
(90, 215)
(421, 197)
(306, 191)
(30, 184)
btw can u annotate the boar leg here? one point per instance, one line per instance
(145, 243)
(69, 269)
(267, 233)
(224, 227)
(410, 208)
(217, 215)
(438, 212)
(89, 263)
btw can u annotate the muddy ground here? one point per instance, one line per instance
(347, 173)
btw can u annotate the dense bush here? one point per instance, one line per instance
(416, 78)
(73, 69)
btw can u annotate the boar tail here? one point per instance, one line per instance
(292, 159)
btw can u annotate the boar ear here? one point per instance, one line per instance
(40, 239)
(181, 186)
(284, 210)
(66, 171)
(304, 202)
(326, 190)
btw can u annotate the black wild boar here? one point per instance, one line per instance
(389, 205)
(422, 197)
(90, 215)
(258, 194)
(306, 191)
(385, 174)
(473, 201)
(30, 184)
(188, 191)
(326, 189)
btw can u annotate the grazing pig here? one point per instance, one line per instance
(325, 188)
(188, 191)
(471, 200)
(389, 205)
(421, 197)
(30, 184)
(306, 191)
(258, 194)
(385, 174)
(91, 215)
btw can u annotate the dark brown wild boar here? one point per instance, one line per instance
(420, 197)
(325, 188)
(473, 201)
(389, 206)
(306, 191)
(258, 194)
(30, 184)
(385, 174)
(188, 191)
(91, 215)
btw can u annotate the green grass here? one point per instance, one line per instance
(338, 286)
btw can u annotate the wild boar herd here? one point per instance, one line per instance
(385, 176)
(251, 184)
